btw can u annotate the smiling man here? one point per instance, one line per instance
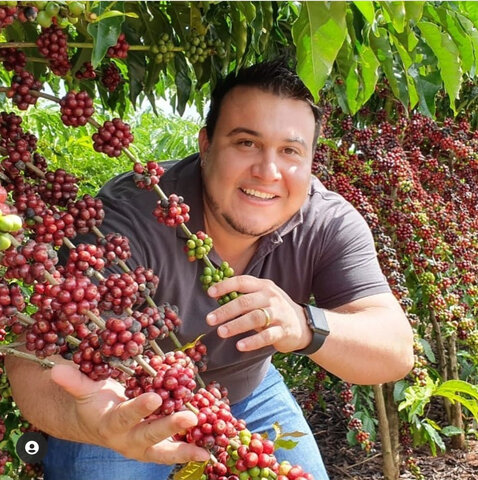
(287, 238)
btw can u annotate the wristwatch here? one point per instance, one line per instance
(320, 329)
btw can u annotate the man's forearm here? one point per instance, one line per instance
(40, 400)
(367, 347)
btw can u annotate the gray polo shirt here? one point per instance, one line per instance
(326, 249)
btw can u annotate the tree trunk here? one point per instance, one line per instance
(457, 441)
(390, 467)
(443, 368)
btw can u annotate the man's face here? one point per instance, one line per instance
(256, 168)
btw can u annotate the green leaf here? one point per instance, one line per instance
(414, 10)
(396, 14)
(248, 9)
(407, 63)
(115, 13)
(366, 9)
(239, 34)
(458, 386)
(434, 439)
(390, 66)
(318, 34)
(451, 431)
(277, 429)
(191, 471)
(285, 444)
(471, 10)
(463, 37)
(448, 57)
(183, 84)
(427, 88)
(399, 390)
(105, 33)
(368, 65)
(293, 434)
(193, 343)
(428, 350)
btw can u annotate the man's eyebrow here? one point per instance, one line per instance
(238, 130)
(299, 140)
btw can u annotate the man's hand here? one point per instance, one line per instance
(287, 329)
(108, 419)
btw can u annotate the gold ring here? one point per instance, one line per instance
(268, 317)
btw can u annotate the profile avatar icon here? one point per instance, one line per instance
(31, 447)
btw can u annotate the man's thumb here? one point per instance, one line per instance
(73, 381)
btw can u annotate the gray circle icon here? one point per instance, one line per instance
(31, 447)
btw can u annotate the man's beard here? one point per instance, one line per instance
(234, 224)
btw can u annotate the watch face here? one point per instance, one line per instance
(317, 321)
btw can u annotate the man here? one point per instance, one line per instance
(286, 237)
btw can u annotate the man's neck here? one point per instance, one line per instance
(232, 247)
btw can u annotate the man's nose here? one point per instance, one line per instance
(267, 167)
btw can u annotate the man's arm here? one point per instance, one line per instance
(370, 339)
(65, 403)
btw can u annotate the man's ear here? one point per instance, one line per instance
(203, 141)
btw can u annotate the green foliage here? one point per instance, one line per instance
(344, 47)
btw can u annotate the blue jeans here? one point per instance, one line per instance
(270, 402)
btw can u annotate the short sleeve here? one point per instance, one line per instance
(348, 267)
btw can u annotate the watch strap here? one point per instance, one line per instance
(317, 323)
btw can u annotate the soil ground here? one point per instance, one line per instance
(351, 463)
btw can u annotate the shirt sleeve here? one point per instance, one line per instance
(348, 267)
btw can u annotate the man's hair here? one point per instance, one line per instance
(274, 77)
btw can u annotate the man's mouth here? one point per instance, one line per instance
(258, 194)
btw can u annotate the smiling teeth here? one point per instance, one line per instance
(255, 193)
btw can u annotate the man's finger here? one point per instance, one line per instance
(240, 306)
(126, 415)
(149, 433)
(176, 452)
(73, 381)
(267, 337)
(241, 283)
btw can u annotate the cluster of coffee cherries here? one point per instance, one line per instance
(22, 83)
(9, 222)
(147, 176)
(52, 44)
(120, 50)
(111, 76)
(172, 211)
(76, 108)
(164, 50)
(211, 276)
(173, 382)
(197, 246)
(112, 137)
(29, 262)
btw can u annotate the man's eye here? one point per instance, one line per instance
(290, 151)
(247, 143)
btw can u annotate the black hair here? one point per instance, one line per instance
(275, 77)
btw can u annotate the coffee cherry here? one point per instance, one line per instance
(116, 247)
(118, 292)
(172, 212)
(58, 187)
(111, 76)
(85, 258)
(86, 213)
(76, 108)
(52, 44)
(22, 83)
(197, 246)
(147, 177)
(13, 59)
(7, 15)
(112, 137)
(120, 50)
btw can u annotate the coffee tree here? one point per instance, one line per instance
(392, 65)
